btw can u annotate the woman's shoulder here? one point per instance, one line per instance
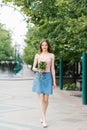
(37, 55)
(52, 55)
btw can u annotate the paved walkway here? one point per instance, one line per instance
(19, 108)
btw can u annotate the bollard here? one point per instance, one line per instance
(61, 75)
(84, 78)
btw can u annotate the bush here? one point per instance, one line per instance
(70, 86)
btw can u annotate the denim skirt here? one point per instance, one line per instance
(43, 83)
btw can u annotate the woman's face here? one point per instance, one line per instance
(44, 46)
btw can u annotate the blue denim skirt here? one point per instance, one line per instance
(43, 83)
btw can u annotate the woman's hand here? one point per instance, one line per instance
(40, 71)
(54, 86)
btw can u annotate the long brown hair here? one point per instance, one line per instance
(49, 46)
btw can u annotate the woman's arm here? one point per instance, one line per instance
(34, 68)
(53, 71)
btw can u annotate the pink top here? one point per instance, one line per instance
(48, 60)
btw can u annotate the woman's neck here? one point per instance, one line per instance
(44, 52)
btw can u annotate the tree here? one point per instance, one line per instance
(30, 50)
(63, 22)
(6, 49)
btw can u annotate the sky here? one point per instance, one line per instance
(14, 21)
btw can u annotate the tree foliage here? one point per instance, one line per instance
(62, 22)
(6, 49)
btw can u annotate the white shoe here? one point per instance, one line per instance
(44, 125)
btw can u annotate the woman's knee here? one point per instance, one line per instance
(46, 99)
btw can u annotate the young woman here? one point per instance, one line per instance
(45, 85)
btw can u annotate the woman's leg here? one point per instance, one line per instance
(43, 98)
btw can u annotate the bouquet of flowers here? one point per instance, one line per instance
(41, 66)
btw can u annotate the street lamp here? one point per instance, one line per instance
(16, 49)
